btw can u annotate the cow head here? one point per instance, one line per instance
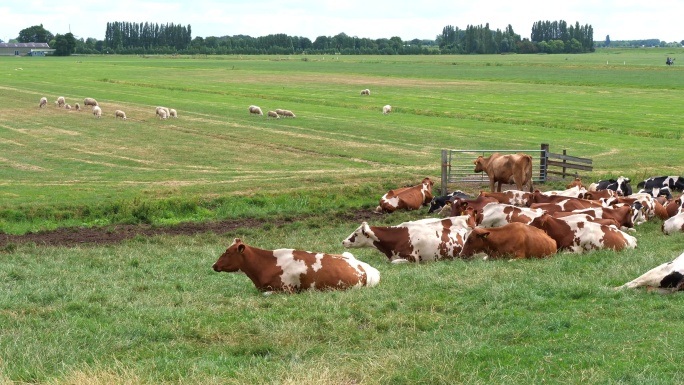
(363, 236)
(575, 183)
(480, 164)
(476, 242)
(623, 187)
(232, 259)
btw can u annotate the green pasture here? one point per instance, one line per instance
(61, 167)
(151, 310)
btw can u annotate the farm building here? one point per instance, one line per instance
(25, 49)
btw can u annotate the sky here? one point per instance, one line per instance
(374, 19)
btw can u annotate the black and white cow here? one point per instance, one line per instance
(439, 202)
(619, 185)
(666, 278)
(656, 183)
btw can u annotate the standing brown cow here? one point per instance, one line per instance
(512, 168)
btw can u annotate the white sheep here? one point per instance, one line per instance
(90, 102)
(67, 106)
(288, 114)
(162, 113)
(43, 102)
(60, 101)
(165, 109)
(386, 109)
(173, 113)
(279, 111)
(119, 114)
(97, 111)
(77, 107)
(255, 110)
(365, 92)
(273, 114)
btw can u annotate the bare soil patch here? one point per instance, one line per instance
(76, 236)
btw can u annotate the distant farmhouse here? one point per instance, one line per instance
(25, 49)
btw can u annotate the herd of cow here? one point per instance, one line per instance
(510, 224)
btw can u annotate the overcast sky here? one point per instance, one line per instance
(620, 19)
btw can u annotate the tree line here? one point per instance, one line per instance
(152, 38)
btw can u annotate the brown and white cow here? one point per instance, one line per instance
(514, 240)
(499, 214)
(622, 216)
(289, 270)
(569, 204)
(459, 206)
(539, 197)
(666, 278)
(596, 195)
(577, 182)
(572, 216)
(580, 236)
(417, 241)
(673, 207)
(407, 198)
(510, 197)
(509, 169)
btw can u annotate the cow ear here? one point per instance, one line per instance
(241, 248)
(483, 234)
(365, 229)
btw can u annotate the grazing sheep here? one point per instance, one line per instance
(68, 106)
(97, 111)
(288, 114)
(90, 102)
(77, 107)
(60, 101)
(387, 109)
(119, 114)
(365, 92)
(255, 110)
(279, 111)
(43, 102)
(273, 114)
(173, 113)
(165, 110)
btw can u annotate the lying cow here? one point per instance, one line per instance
(673, 183)
(580, 236)
(577, 182)
(511, 197)
(289, 270)
(499, 214)
(673, 225)
(514, 240)
(407, 198)
(459, 206)
(418, 241)
(509, 169)
(666, 278)
(620, 185)
(439, 202)
(673, 207)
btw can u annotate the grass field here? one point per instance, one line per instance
(151, 310)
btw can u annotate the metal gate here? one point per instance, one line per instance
(458, 166)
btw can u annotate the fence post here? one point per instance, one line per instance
(564, 161)
(543, 161)
(444, 172)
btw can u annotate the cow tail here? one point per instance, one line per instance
(528, 171)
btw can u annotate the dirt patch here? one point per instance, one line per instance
(76, 236)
